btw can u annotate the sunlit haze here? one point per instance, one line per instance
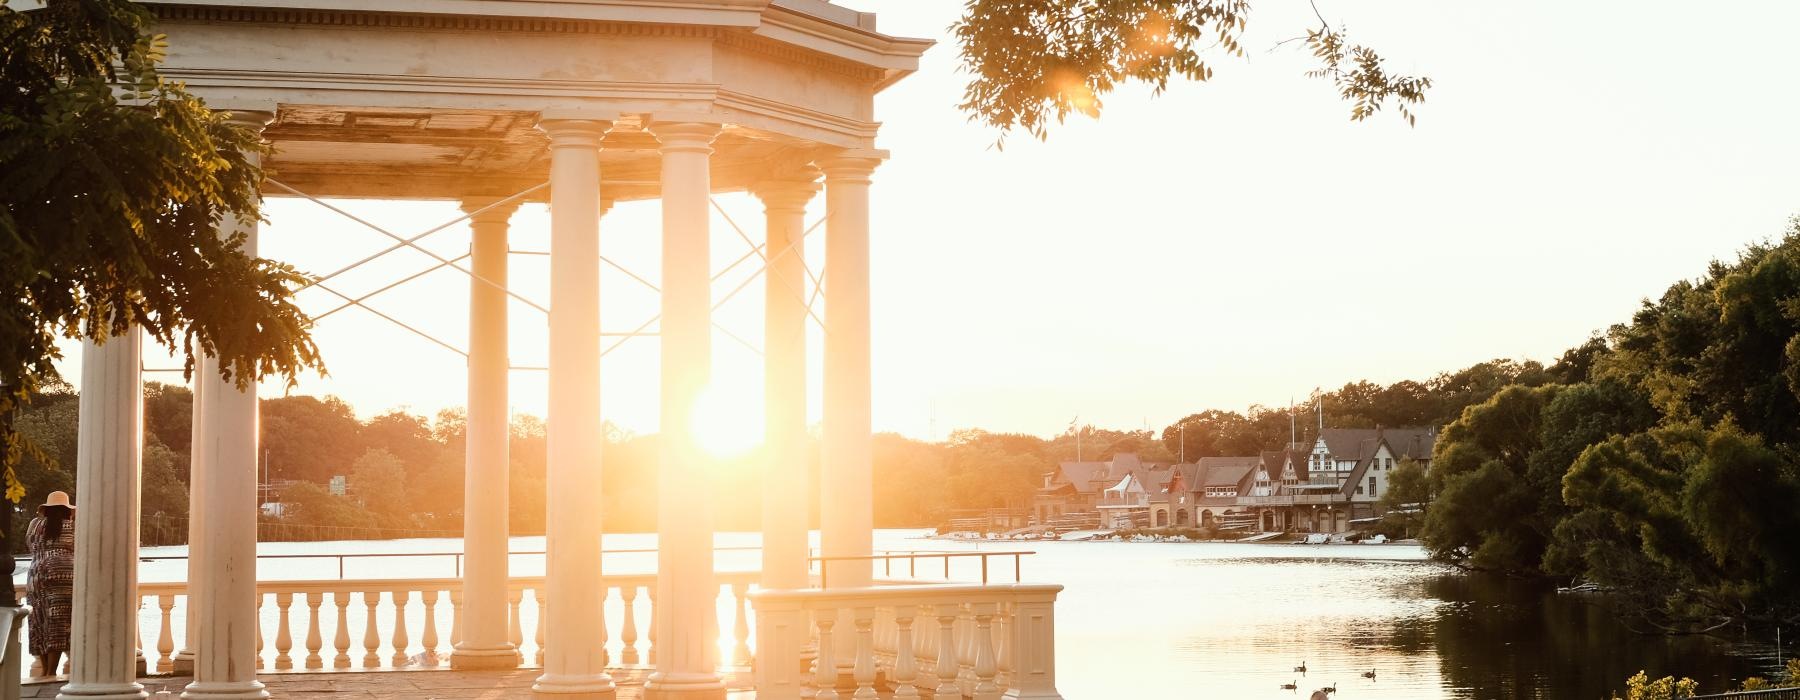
(1224, 244)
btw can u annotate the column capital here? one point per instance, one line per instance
(850, 164)
(255, 121)
(787, 191)
(484, 210)
(684, 136)
(572, 130)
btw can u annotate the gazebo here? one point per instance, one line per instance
(580, 104)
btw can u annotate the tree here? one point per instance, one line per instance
(112, 185)
(1407, 496)
(1034, 62)
(310, 438)
(379, 482)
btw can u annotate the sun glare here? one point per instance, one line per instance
(728, 420)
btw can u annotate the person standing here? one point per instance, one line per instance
(50, 587)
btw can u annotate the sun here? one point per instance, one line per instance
(728, 419)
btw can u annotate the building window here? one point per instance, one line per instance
(1372, 486)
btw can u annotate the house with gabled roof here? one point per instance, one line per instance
(1335, 483)
(1071, 495)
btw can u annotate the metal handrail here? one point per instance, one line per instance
(458, 556)
(912, 558)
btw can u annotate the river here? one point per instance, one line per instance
(1191, 620)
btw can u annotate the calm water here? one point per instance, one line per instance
(1176, 620)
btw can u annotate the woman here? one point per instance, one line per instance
(50, 586)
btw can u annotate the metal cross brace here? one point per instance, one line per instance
(412, 242)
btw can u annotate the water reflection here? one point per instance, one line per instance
(1501, 638)
(1155, 620)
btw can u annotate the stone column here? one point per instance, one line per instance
(222, 563)
(573, 656)
(108, 471)
(485, 643)
(846, 484)
(204, 366)
(685, 586)
(786, 487)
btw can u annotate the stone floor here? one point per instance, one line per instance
(405, 685)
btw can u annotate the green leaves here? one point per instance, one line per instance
(113, 183)
(1033, 62)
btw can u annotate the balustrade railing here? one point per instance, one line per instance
(956, 641)
(374, 624)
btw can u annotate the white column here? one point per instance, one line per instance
(846, 485)
(573, 655)
(484, 643)
(108, 470)
(786, 483)
(685, 586)
(222, 577)
(204, 366)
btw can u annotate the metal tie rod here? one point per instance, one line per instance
(392, 285)
(409, 243)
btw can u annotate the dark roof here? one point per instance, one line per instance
(1360, 443)
(1086, 477)
(1224, 471)
(1094, 477)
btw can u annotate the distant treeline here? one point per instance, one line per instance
(405, 471)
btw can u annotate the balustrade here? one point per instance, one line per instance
(951, 641)
(397, 623)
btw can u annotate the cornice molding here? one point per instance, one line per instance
(401, 20)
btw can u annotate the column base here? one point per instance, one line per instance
(103, 691)
(684, 686)
(562, 687)
(489, 659)
(241, 690)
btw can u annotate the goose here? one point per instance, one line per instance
(1330, 689)
(1290, 685)
(1301, 669)
(1370, 674)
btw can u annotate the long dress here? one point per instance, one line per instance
(50, 588)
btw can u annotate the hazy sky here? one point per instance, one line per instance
(1225, 244)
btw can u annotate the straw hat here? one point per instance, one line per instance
(57, 498)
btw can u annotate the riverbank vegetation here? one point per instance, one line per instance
(1659, 463)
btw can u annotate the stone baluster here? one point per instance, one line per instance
(965, 653)
(825, 667)
(1003, 645)
(513, 631)
(314, 640)
(605, 657)
(137, 631)
(165, 636)
(430, 639)
(863, 669)
(401, 598)
(906, 669)
(543, 616)
(371, 633)
(650, 639)
(259, 632)
(628, 634)
(341, 640)
(456, 618)
(947, 663)
(284, 640)
(740, 630)
(985, 667)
